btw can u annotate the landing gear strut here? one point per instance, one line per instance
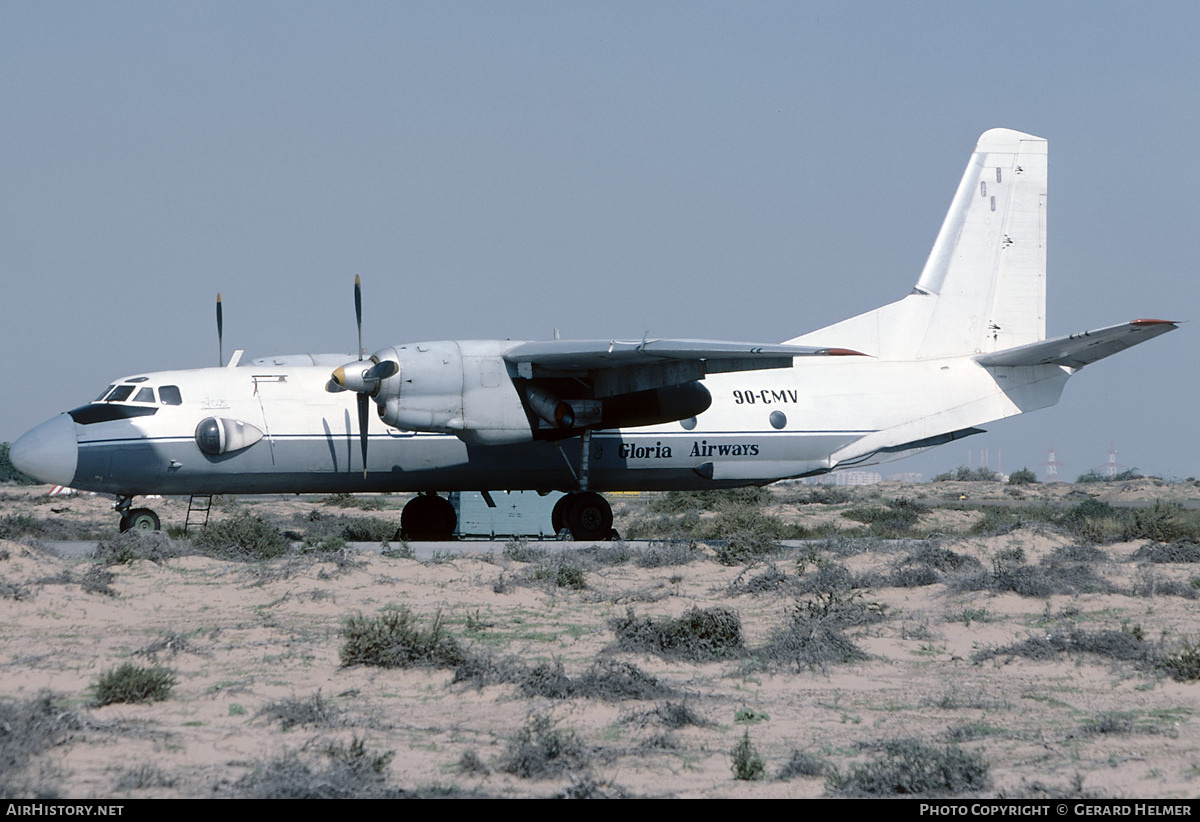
(428, 517)
(584, 513)
(136, 519)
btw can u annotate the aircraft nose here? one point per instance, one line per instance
(48, 452)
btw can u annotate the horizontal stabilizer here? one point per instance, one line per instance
(1077, 350)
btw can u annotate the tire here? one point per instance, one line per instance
(428, 518)
(140, 519)
(589, 517)
(558, 517)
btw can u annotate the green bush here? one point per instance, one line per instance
(243, 536)
(964, 474)
(1022, 477)
(570, 576)
(1096, 476)
(9, 472)
(747, 764)
(133, 683)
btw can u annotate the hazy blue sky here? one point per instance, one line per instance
(735, 170)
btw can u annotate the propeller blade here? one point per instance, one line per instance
(358, 312)
(364, 403)
(220, 333)
(381, 371)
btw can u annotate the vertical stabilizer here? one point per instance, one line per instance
(983, 287)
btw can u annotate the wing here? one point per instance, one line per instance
(620, 366)
(1077, 350)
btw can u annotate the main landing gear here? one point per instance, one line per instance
(428, 518)
(136, 519)
(586, 514)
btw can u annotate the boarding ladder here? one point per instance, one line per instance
(198, 504)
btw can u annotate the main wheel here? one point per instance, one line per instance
(428, 518)
(589, 516)
(558, 516)
(140, 519)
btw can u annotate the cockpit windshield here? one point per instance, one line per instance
(119, 394)
(167, 394)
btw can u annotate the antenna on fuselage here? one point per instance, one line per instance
(220, 333)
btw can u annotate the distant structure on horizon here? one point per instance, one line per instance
(910, 476)
(1111, 467)
(1052, 465)
(847, 478)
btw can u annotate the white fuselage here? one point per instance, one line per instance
(762, 426)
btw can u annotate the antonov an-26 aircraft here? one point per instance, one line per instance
(967, 346)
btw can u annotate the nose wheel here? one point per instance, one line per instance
(140, 519)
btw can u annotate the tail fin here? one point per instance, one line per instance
(983, 288)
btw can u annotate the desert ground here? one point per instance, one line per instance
(987, 641)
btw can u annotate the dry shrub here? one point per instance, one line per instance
(910, 767)
(813, 635)
(541, 750)
(698, 635)
(394, 640)
(27, 728)
(314, 712)
(155, 546)
(351, 772)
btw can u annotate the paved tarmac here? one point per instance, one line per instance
(423, 551)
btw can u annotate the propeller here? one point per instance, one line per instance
(220, 333)
(358, 313)
(364, 381)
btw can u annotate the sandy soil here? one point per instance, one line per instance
(243, 637)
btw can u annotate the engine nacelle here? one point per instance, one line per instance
(453, 387)
(466, 388)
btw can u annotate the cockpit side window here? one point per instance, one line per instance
(169, 395)
(120, 393)
(102, 394)
(144, 395)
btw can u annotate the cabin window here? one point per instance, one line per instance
(120, 393)
(145, 395)
(169, 395)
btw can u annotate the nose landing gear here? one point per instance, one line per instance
(136, 519)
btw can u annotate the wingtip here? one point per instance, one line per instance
(1155, 322)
